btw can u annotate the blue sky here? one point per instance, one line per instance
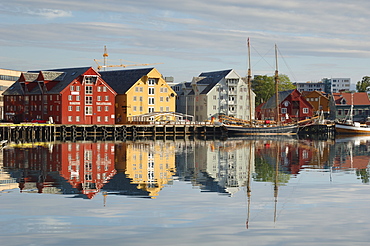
(316, 39)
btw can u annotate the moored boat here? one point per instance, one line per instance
(352, 128)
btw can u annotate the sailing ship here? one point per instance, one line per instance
(250, 127)
(348, 126)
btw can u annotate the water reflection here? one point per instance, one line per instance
(144, 168)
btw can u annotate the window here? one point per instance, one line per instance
(214, 97)
(98, 118)
(151, 81)
(167, 109)
(78, 88)
(161, 99)
(161, 109)
(72, 88)
(88, 89)
(106, 98)
(151, 109)
(70, 97)
(134, 108)
(99, 88)
(88, 110)
(106, 108)
(104, 89)
(140, 99)
(106, 118)
(88, 100)
(151, 100)
(78, 118)
(305, 110)
(214, 107)
(134, 98)
(90, 80)
(77, 108)
(151, 90)
(141, 108)
(70, 108)
(283, 110)
(99, 108)
(69, 118)
(98, 98)
(77, 98)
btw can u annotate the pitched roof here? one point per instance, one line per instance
(211, 79)
(359, 98)
(281, 96)
(122, 80)
(64, 76)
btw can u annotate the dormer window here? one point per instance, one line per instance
(89, 80)
(151, 81)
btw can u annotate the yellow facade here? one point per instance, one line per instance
(318, 101)
(150, 165)
(7, 78)
(149, 94)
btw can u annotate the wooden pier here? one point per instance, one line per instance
(52, 132)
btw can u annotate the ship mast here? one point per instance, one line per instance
(249, 77)
(277, 88)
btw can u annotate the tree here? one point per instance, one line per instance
(364, 84)
(264, 86)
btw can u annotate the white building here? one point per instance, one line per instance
(328, 85)
(214, 93)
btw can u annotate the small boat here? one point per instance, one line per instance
(348, 126)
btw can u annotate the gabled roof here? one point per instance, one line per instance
(281, 96)
(52, 76)
(69, 74)
(65, 76)
(29, 77)
(122, 80)
(211, 79)
(359, 98)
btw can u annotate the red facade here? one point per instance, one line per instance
(293, 107)
(67, 96)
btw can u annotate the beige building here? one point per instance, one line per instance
(7, 78)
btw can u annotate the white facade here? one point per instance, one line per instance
(215, 93)
(340, 84)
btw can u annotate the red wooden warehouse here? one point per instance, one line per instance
(64, 96)
(293, 107)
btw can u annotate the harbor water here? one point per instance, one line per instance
(242, 191)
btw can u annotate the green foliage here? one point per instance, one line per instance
(363, 174)
(364, 84)
(264, 86)
(265, 172)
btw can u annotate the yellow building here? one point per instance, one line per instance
(149, 165)
(7, 78)
(139, 92)
(319, 101)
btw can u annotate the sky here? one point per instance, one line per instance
(316, 39)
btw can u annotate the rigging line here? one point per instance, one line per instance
(286, 64)
(263, 58)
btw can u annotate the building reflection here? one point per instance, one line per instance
(144, 168)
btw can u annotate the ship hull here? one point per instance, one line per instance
(268, 130)
(351, 129)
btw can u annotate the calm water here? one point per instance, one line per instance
(235, 192)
